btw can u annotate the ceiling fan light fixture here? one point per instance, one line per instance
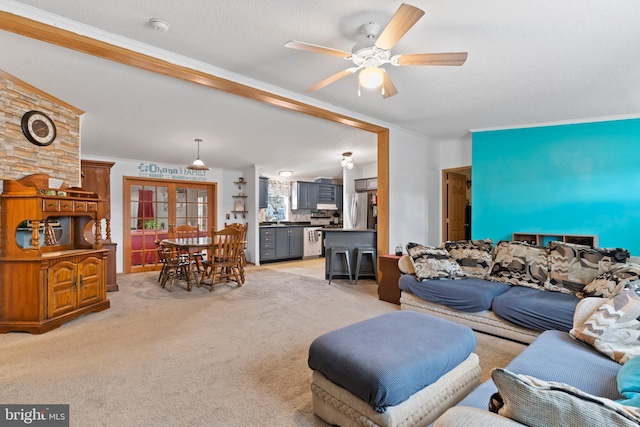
(371, 77)
(198, 165)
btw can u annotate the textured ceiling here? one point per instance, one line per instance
(529, 62)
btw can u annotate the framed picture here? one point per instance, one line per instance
(239, 205)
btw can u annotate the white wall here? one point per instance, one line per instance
(126, 167)
(413, 169)
(454, 153)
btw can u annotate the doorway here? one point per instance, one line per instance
(152, 207)
(456, 204)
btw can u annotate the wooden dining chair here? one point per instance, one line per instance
(223, 264)
(186, 231)
(243, 256)
(161, 259)
(175, 266)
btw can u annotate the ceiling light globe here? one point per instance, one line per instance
(371, 77)
(343, 163)
(349, 165)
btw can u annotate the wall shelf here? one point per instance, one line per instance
(541, 239)
(236, 213)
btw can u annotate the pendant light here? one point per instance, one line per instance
(198, 165)
(347, 160)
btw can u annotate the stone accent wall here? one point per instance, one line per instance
(18, 156)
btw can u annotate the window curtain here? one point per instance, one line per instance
(145, 207)
(279, 188)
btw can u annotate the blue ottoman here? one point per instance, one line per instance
(401, 368)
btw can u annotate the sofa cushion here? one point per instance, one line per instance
(539, 403)
(614, 327)
(572, 266)
(611, 282)
(556, 356)
(474, 256)
(470, 295)
(629, 383)
(433, 263)
(520, 264)
(536, 309)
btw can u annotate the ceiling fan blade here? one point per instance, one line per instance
(453, 58)
(317, 49)
(401, 21)
(331, 79)
(387, 89)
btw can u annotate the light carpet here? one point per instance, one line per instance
(234, 357)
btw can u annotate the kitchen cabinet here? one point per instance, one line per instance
(288, 242)
(366, 184)
(263, 191)
(339, 197)
(280, 242)
(326, 194)
(60, 272)
(304, 195)
(267, 244)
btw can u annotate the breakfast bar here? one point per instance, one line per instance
(350, 239)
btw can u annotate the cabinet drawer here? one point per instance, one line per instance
(50, 205)
(66, 206)
(267, 232)
(266, 255)
(92, 207)
(267, 245)
(79, 206)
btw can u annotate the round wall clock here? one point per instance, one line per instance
(38, 128)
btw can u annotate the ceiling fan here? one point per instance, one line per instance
(369, 55)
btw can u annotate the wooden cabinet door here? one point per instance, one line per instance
(62, 288)
(90, 281)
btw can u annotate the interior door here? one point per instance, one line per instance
(152, 207)
(456, 204)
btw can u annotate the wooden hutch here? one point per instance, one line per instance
(52, 264)
(96, 177)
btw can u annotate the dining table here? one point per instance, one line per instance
(190, 246)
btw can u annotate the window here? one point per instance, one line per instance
(278, 208)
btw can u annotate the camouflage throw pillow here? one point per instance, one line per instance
(433, 263)
(609, 283)
(572, 267)
(474, 256)
(520, 264)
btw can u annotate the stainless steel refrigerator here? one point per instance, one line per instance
(363, 210)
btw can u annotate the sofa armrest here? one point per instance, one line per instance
(464, 416)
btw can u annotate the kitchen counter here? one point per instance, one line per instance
(350, 238)
(288, 224)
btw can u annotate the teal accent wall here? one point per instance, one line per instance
(566, 179)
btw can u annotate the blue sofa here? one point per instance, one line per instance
(553, 356)
(513, 290)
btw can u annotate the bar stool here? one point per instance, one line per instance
(333, 257)
(366, 250)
